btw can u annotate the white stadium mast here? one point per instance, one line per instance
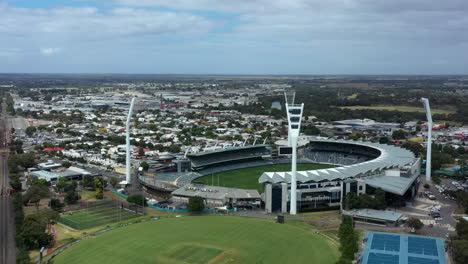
(429, 138)
(127, 128)
(294, 114)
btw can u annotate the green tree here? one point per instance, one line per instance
(460, 251)
(348, 238)
(137, 199)
(145, 165)
(399, 134)
(30, 130)
(383, 140)
(67, 164)
(462, 229)
(415, 223)
(114, 181)
(427, 186)
(380, 202)
(71, 197)
(35, 193)
(99, 185)
(196, 204)
(88, 181)
(22, 256)
(56, 205)
(61, 183)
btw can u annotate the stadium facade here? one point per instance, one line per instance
(362, 167)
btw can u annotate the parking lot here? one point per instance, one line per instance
(434, 209)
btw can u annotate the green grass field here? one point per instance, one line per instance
(204, 239)
(248, 178)
(84, 219)
(401, 109)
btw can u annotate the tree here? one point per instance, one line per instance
(427, 186)
(99, 185)
(37, 192)
(196, 204)
(380, 202)
(56, 205)
(114, 181)
(399, 134)
(348, 239)
(145, 165)
(138, 199)
(22, 257)
(67, 164)
(462, 229)
(71, 197)
(351, 201)
(383, 140)
(415, 223)
(61, 183)
(30, 130)
(88, 181)
(141, 152)
(460, 251)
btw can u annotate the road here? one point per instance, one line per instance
(7, 225)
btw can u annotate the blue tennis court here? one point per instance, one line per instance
(387, 248)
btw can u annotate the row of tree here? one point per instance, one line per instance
(349, 238)
(353, 201)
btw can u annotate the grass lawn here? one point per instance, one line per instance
(204, 239)
(84, 219)
(248, 178)
(401, 109)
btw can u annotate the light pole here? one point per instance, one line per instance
(294, 114)
(127, 127)
(429, 138)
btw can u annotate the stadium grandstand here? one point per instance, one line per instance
(363, 167)
(209, 159)
(209, 162)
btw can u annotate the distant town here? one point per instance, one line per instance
(107, 150)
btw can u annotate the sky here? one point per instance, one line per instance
(234, 36)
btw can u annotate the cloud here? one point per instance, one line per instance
(314, 20)
(50, 51)
(90, 23)
(240, 36)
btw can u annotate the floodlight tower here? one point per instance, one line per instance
(128, 175)
(425, 101)
(294, 114)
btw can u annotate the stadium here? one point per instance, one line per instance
(347, 166)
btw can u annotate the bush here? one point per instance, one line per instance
(415, 223)
(71, 197)
(56, 205)
(196, 204)
(427, 186)
(137, 199)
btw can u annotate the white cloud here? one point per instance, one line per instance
(89, 23)
(50, 51)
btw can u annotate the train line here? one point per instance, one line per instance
(7, 226)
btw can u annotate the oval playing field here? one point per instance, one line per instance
(204, 239)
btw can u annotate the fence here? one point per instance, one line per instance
(91, 214)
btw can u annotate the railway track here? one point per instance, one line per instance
(7, 227)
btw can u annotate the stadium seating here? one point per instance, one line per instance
(221, 157)
(339, 154)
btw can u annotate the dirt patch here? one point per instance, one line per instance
(219, 257)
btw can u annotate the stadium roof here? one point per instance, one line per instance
(200, 154)
(390, 157)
